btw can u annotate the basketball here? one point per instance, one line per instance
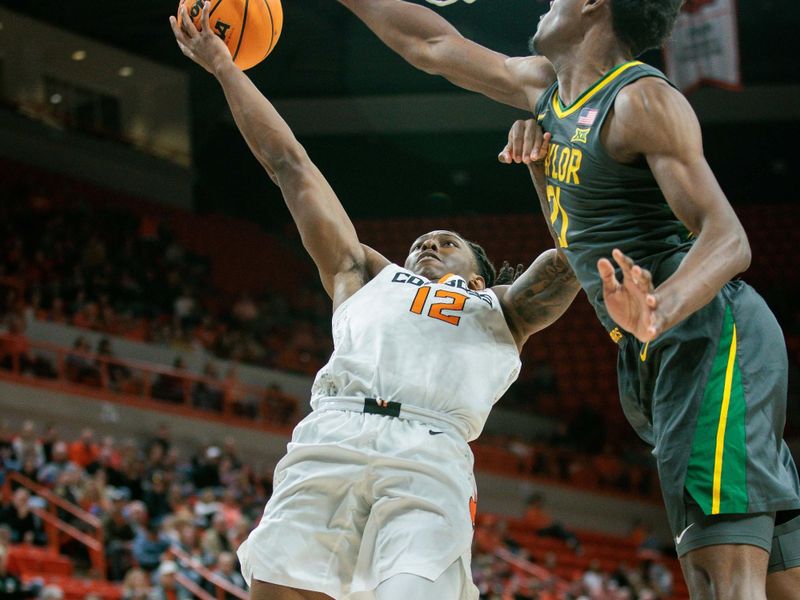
(250, 28)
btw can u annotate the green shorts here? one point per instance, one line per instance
(710, 396)
(779, 536)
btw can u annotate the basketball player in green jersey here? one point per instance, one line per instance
(702, 362)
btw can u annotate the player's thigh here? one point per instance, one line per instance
(724, 572)
(261, 590)
(724, 556)
(784, 585)
(783, 580)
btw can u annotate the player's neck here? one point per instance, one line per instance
(581, 65)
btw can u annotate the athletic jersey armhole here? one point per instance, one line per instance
(507, 331)
(544, 101)
(370, 282)
(601, 149)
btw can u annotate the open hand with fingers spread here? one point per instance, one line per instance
(202, 46)
(632, 303)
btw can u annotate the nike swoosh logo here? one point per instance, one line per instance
(680, 537)
(643, 353)
(432, 432)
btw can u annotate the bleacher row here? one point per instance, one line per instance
(165, 523)
(576, 350)
(33, 564)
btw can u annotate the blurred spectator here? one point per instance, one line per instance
(119, 376)
(51, 592)
(205, 471)
(167, 587)
(642, 536)
(170, 387)
(280, 407)
(52, 470)
(155, 497)
(208, 395)
(24, 525)
(148, 546)
(28, 468)
(80, 367)
(84, 450)
(136, 585)
(49, 438)
(163, 438)
(28, 444)
(15, 351)
(118, 535)
(540, 520)
(11, 588)
(215, 539)
(226, 570)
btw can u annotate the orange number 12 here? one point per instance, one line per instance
(435, 311)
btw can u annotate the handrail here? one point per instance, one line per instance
(71, 531)
(54, 523)
(48, 495)
(532, 569)
(132, 363)
(142, 387)
(221, 585)
(192, 587)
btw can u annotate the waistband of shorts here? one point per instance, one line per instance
(392, 409)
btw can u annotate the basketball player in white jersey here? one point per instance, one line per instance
(375, 498)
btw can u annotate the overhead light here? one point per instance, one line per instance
(125, 71)
(56, 99)
(79, 55)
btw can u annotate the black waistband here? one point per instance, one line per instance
(381, 407)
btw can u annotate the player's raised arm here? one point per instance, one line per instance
(544, 292)
(429, 42)
(656, 121)
(326, 230)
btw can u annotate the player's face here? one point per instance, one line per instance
(556, 26)
(439, 253)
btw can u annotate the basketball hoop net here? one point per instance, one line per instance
(447, 2)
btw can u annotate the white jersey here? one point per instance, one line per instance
(435, 345)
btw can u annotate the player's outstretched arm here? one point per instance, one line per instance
(544, 292)
(539, 296)
(326, 230)
(654, 120)
(427, 41)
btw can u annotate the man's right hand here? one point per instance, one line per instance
(527, 143)
(203, 46)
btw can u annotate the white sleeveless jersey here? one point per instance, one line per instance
(434, 345)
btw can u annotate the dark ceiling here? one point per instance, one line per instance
(325, 51)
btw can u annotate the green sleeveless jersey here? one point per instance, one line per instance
(598, 204)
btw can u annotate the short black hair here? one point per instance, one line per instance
(644, 24)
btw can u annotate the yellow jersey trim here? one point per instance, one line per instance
(588, 94)
(723, 423)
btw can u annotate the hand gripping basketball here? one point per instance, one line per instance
(447, 2)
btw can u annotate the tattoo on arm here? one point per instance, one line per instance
(544, 292)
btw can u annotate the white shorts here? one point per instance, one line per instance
(359, 498)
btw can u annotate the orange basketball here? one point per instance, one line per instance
(250, 28)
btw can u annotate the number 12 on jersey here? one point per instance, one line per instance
(456, 304)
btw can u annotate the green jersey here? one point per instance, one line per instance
(598, 204)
